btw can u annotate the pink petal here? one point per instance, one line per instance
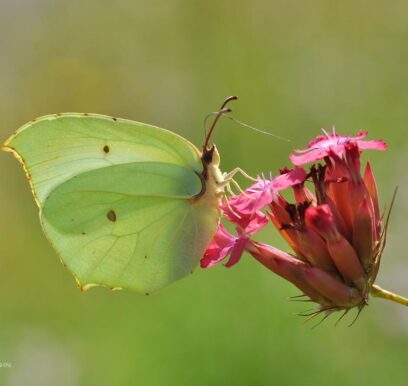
(377, 144)
(244, 209)
(212, 257)
(257, 222)
(219, 248)
(237, 251)
(261, 193)
(250, 223)
(323, 145)
(310, 156)
(287, 180)
(241, 205)
(222, 245)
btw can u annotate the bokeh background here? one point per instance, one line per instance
(296, 67)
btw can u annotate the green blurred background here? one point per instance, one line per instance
(296, 66)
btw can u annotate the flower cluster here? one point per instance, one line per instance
(334, 225)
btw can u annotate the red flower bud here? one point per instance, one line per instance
(364, 234)
(334, 290)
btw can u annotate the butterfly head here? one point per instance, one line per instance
(210, 156)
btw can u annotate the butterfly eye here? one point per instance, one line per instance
(207, 156)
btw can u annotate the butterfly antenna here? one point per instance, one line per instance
(221, 111)
(258, 130)
(206, 119)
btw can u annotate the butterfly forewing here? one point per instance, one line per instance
(56, 148)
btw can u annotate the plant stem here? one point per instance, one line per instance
(378, 292)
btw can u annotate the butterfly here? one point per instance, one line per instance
(125, 205)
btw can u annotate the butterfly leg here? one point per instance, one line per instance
(227, 184)
(231, 174)
(227, 204)
(229, 190)
(228, 178)
(236, 184)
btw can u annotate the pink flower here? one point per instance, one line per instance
(337, 235)
(223, 245)
(262, 193)
(244, 211)
(340, 232)
(326, 144)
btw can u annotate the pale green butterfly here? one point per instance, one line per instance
(126, 205)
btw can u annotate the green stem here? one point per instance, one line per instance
(378, 292)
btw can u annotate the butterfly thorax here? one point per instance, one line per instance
(211, 179)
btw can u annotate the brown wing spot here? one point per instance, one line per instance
(111, 215)
(106, 149)
(115, 119)
(86, 114)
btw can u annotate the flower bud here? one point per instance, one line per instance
(344, 256)
(287, 267)
(334, 290)
(364, 234)
(371, 185)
